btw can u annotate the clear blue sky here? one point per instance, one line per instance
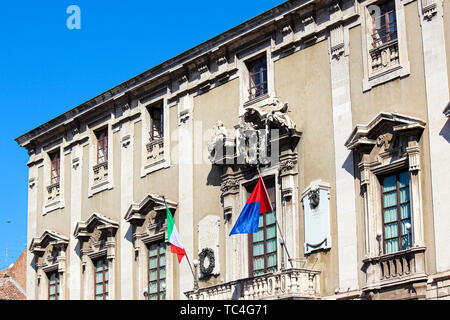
(47, 69)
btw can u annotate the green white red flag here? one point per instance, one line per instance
(174, 238)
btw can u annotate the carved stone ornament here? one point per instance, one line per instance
(260, 132)
(314, 198)
(230, 184)
(278, 115)
(49, 250)
(217, 143)
(207, 262)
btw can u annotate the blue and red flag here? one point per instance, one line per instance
(257, 204)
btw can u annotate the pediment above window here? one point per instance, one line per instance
(149, 208)
(97, 235)
(383, 131)
(49, 250)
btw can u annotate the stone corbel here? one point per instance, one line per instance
(364, 168)
(126, 141)
(287, 169)
(32, 182)
(75, 163)
(336, 41)
(184, 116)
(429, 9)
(413, 152)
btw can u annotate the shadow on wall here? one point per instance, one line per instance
(445, 131)
(214, 176)
(348, 164)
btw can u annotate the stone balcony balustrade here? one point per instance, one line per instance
(285, 284)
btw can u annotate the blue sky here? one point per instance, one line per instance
(47, 69)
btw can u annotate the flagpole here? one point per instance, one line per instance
(186, 255)
(276, 220)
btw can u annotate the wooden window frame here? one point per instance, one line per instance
(104, 280)
(55, 169)
(57, 285)
(151, 109)
(399, 219)
(262, 87)
(386, 26)
(267, 180)
(102, 136)
(158, 259)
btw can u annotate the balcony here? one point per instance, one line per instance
(155, 152)
(100, 172)
(395, 269)
(286, 284)
(384, 57)
(53, 191)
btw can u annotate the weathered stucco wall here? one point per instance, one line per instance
(303, 80)
(221, 103)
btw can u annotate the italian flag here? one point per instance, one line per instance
(174, 238)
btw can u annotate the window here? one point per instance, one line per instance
(384, 24)
(53, 286)
(156, 122)
(102, 146)
(263, 244)
(54, 171)
(258, 77)
(101, 279)
(157, 271)
(396, 212)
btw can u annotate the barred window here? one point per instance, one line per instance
(157, 271)
(396, 212)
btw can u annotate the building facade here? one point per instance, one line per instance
(343, 107)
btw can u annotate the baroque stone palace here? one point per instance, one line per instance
(344, 108)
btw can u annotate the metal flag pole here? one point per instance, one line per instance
(276, 220)
(187, 257)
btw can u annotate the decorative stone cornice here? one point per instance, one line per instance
(137, 212)
(218, 50)
(96, 220)
(429, 8)
(365, 136)
(48, 237)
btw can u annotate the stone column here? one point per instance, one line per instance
(437, 92)
(185, 190)
(345, 188)
(74, 272)
(125, 240)
(31, 226)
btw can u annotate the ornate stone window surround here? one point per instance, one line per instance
(389, 144)
(53, 192)
(243, 57)
(151, 157)
(50, 256)
(149, 222)
(402, 69)
(97, 236)
(104, 168)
